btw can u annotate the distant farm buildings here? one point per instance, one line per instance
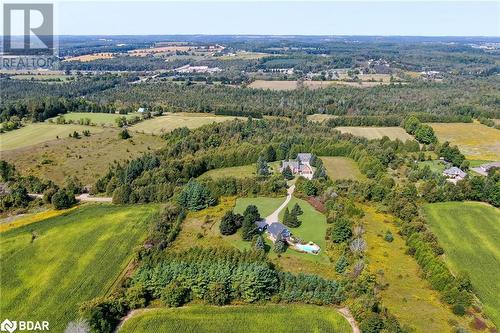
(485, 168)
(197, 69)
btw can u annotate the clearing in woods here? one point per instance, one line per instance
(231, 319)
(88, 158)
(475, 141)
(244, 171)
(171, 121)
(377, 132)
(33, 134)
(48, 268)
(341, 168)
(469, 233)
(97, 118)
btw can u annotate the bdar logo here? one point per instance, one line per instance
(8, 326)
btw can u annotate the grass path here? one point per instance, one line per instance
(74, 258)
(470, 235)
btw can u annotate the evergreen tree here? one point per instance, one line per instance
(124, 134)
(290, 219)
(280, 245)
(341, 230)
(286, 216)
(269, 153)
(259, 243)
(320, 172)
(297, 210)
(341, 264)
(262, 167)
(287, 173)
(228, 224)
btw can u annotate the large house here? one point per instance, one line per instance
(300, 166)
(454, 174)
(485, 168)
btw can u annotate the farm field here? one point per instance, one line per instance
(435, 165)
(97, 118)
(273, 85)
(469, 233)
(318, 84)
(252, 319)
(172, 121)
(318, 117)
(73, 258)
(377, 132)
(91, 57)
(475, 141)
(407, 296)
(33, 134)
(341, 168)
(243, 171)
(87, 158)
(25, 219)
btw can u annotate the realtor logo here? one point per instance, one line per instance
(28, 29)
(8, 326)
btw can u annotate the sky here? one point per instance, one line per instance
(403, 18)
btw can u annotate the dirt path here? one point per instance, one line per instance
(348, 316)
(82, 197)
(273, 218)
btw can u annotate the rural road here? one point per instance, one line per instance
(82, 197)
(274, 216)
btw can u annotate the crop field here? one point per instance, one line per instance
(25, 219)
(172, 121)
(72, 259)
(249, 318)
(273, 85)
(97, 118)
(243, 171)
(318, 84)
(407, 296)
(91, 57)
(469, 233)
(341, 168)
(377, 132)
(33, 134)
(475, 141)
(320, 117)
(87, 158)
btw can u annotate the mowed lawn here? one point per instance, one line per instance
(38, 133)
(98, 117)
(407, 295)
(341, 168)
(171, 121)
(476, 141)
(74, 258)
(392, 133)
(244, 171)
(250, 318)
(470, 235)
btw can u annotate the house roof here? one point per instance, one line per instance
(290, 163)
(262, 224)
(488, 166)
(275, 229)
(304, 157)
(454, 171)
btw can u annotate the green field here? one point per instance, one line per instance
(406, 295)
(265, 205)
(244, 171)
(97, 118)
(341, 168)
(392, 133)
(87, 158)
(74, 258)
(435, 165)
(476, 141)
(165, 124)
(252, 319)
(38, 133)
(470, 234)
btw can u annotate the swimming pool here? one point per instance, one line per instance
(309, 248)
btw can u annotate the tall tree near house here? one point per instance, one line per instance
(297, 210)
(280, 245)
(262, 167)
(287, 173)
(228, 224)
(259, 243)
(269, 153)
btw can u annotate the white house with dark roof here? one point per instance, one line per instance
(300, 166)
(454, 174)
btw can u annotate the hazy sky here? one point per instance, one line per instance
(417, 18)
